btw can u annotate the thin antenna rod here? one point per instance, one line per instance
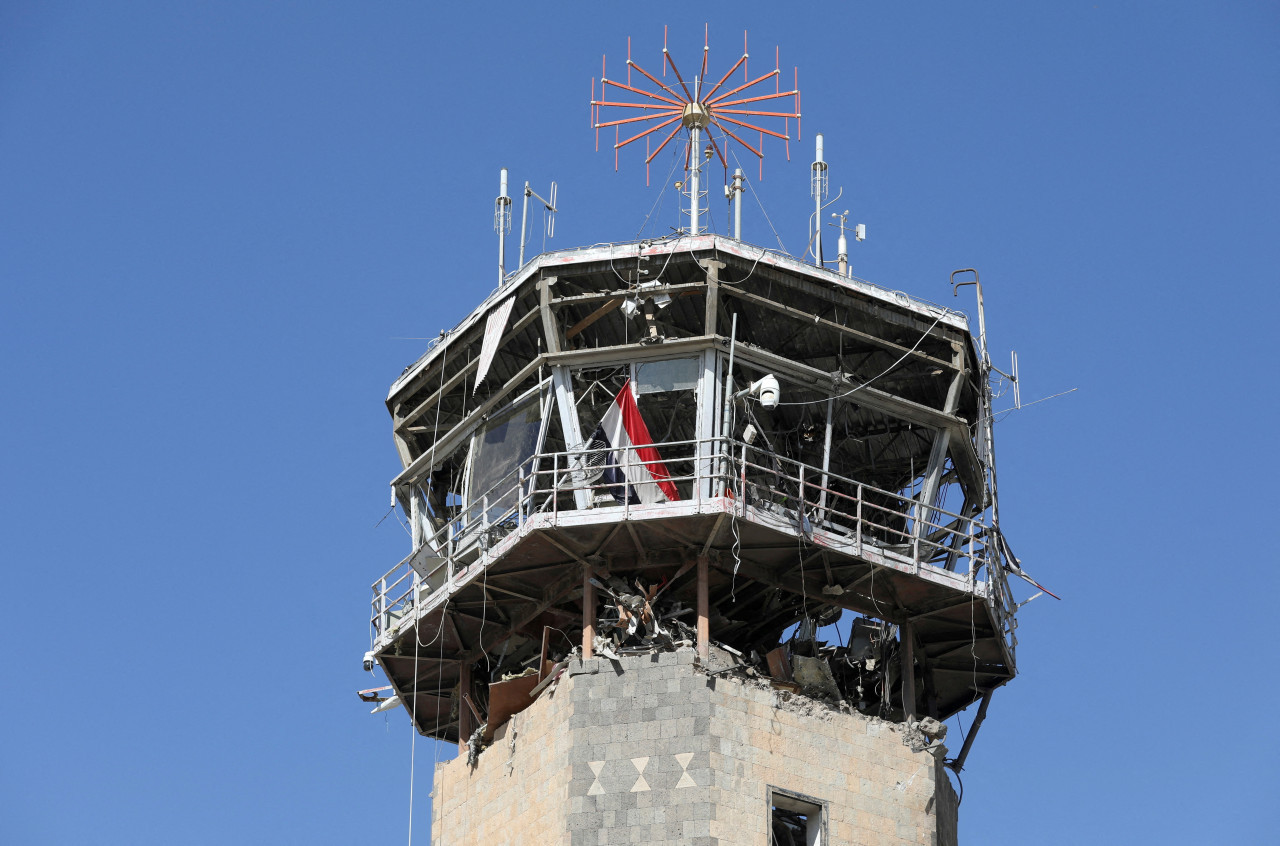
(524, 217)
(693, 106)
(842, 246)
(736, 190)
(817, 190)
(502, 223)
(548, 205)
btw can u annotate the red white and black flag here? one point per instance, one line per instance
(633, 466)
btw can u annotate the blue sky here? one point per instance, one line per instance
(219, 221)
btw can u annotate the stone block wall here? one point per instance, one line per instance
(518, 791)
(877, 791)
(651, 750)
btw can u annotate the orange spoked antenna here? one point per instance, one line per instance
(661, 111)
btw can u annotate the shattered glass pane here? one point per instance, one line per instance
(508, 440)
(677, 374)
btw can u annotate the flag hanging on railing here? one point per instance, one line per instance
(633, 467)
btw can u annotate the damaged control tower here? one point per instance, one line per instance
(641, 478)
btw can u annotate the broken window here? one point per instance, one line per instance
(505, 442)
(665, 395)
(796, 819)
(677, 374)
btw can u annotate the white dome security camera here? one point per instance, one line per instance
(765, 389)
(368, 662)
(768, 391)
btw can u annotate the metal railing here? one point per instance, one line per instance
(789, 494)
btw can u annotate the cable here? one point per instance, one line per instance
(998, 416)
(973, 642)
(760, 204)
(413, 727)
(661, 194)
(879, 375)
(413, 713)
(435, 734)
(750, 273)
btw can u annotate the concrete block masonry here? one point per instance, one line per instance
(652, 750)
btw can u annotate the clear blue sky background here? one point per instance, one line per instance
(217, 221)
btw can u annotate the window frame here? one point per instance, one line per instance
(793, 797)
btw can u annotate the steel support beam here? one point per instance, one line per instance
(813, 320)
(908, 642)
(938, 454)
(453, 381)
(588, 614)
(704, 619)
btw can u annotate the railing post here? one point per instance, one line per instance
(972, 569)
(915, 542)
(382, 604)
(858, 522)
(697, 471)
(802, 499)
(520, 504)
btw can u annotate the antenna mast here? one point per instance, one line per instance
(549, 205)
(818, 190)
(734, 192)
(705, 113)
(502, 223)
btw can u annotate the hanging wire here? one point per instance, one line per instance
(417, 641)
(759, 203)
(878, 375)
(662, 193)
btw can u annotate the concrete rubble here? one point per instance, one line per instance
(808, 675)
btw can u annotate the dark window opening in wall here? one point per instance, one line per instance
(796, 819)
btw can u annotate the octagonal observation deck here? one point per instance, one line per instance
(575, 432)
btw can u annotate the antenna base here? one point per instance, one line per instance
(696, 116)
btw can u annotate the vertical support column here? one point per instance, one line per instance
(465, 720)
(415, 516)
(550, 328)
(709, 405)
(402, 446)
(704, 621)
(938, 454)
(562, 383)
(707, 425)
(711, 315)
(695, 188)
(588, 614)
(826, 460)
(908, 639)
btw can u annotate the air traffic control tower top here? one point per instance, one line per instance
(696, 442)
